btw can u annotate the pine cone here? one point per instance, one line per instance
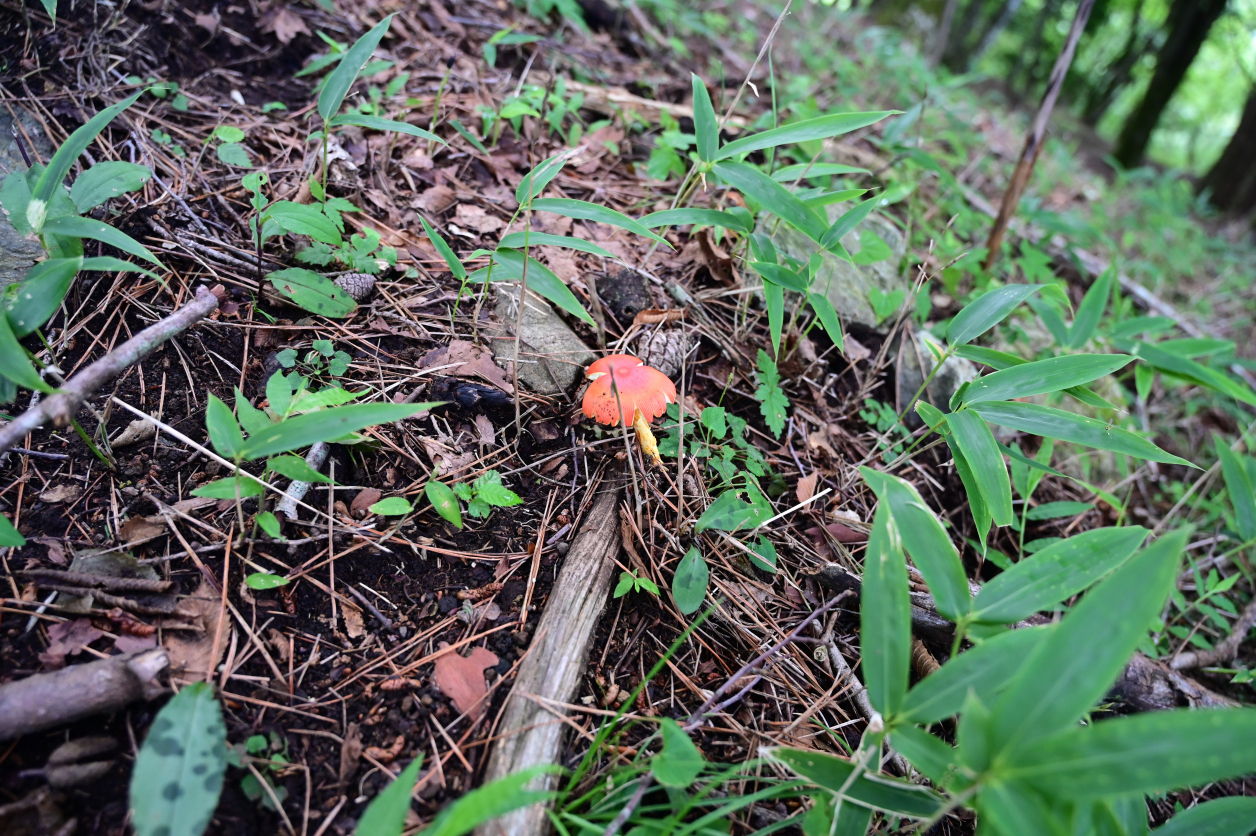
(357, 285)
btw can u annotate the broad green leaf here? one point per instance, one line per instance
(9, 535)
(926, 542)
(279, 393)
(803, 170)
(541, 281)
(1143, 753)
(265, 580)
(453, 262)
(1182, 366)
(233, 153)
(680, 761)
(1016, 809)
(488, 802)
(1090, 311)
(444, 501)
(105, 180)
(73, 226)
(705, 128)
(885, 614)
(976, 442)
(828, 318)
(1067, 426)
(15, 197)
(250, 417)
(377, 123)
(1071, 670)
(517, 240)
(535, 181)
(224, 432)
(231, 487)
(1043, 376)
(821, 199)
(897, 798)
(59, 166)
(40, 294)
(339, 80)
(312, 292)
(781, 275)
(689, 584)
(14, 363)
(774, 301)
(178, 772)
(1237, 485)
(393, 506)
(986, 311)
(269, 523)
(296, 469)
(386, 814)
(1231, 816)
(1058, 510)
(715, 419)
(727, 513)
(299, 219)
(698, 217)
(1197, 346)
(822, 127)
(585, 211)
(985, 670)
(326, 425)
(1056, 573)
(773, 197)
(997, 360)
(976, 502)
(932, 757)
(848, 221)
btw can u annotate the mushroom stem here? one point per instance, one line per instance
(645, 437)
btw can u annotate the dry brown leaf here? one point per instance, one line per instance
(67, 639)
(448, 460)
(363, 501)
(387, 755)
(462, 358)
(350, 752)
(126, 643)
(355, 627)
(61, 493)
(807, 486)
(286, 25)
(562, 262)
(484, 427)
(475, 217)
(208, 22)
(141, 429)
(140, 530)
(854, 350)
(461, 678)
(56, 549)
(196, 502)
(191, 654)
(435, 200)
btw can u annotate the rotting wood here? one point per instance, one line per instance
(529, 735)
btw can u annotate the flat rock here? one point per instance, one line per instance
(18, 253)
(916, 361)
(552, 359)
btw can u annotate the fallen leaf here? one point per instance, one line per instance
(61, 493)
(462, 358)
(208, 22)
(68, 639)
(854, 350)
(140, 530)
(435, 200)
(186, 505)
(807, 486)
(653, 316)
(561, 261)
(141, 429)
(449, 462)
(56, 549)
(475, 217)
(350, 752)
(286, 25)
(363, 501)
(355, 627)
(819, 440)
(461, 678)
(192, 658)
(484, 427)
(126, 643)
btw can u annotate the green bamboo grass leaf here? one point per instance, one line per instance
(705, 128)
(702, 217)
(488, 802)
(312, 292)
(50, 6)
(541, 280)
(516, 241)
(976, 442)
(444, 502)
(386, 814)
(535, 181)
(1056, 573)
(9, 535)
(1014, 807)
(1182, 366)
(822, 127)
(773, 197)
(1144, 753)
(997, 360)
(104, 180)
(1090, 311)
(933, 758)
(831, 773)
(377, 123)
(339, 80)
(447, 253)
(790, 173)
(39, 296)
(1231, 816)
(827, 314)
(781, 275)
(1071, 671)
(14, 364)
(984, 670)
(822, 199)
(926, 542)
(583, 210)
(885, 614)
(689, 584)
(848, 221)
(987, 311)
(1043, 376)
(74, 226)
(224, 432)
(232, 487)
(325, 425)
(1066, 426)
(59, 165)
(1058, 510)
(295, 468)
(774, 301)
(1239, 487)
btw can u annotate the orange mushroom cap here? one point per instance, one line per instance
(640, 388)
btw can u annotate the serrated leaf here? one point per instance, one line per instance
(233, 153)
(312, 292)
(689, 584)
(105, 180)
(772, 401)
(489, 488)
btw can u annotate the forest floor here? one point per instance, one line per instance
(338, 670)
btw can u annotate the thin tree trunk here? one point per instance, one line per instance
(1188, 25)
(956, 55)
(944, 32)
(1119, 71)
(1002, 22)
(1033, 51)
(1232, 179)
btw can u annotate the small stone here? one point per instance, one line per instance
(562, 548)
(552, 359)
(447, 604)
(520, 639)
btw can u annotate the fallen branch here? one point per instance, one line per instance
(1225, 650)
(61, 407)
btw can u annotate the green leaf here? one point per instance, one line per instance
(764, 557)
(1014, 808)
(250, 417)
(516, 241)
(105, 180)
(1231, 816)
(1058, 510)
(453, 262)
(312, 292)
(14, 363)
(698, 217)
(1237, 485)
(772, 401)
(377, 123)
(224, 432)
(386, 814)
(269, 523)
(1056, 573)
(774, 301)
(821, 127)
(265, 580)
(535, 181)
(680, 761)
(848, 221)
(325, 425)
(231, 487)
(715, 419)
(827, 315)
(299, 219)
(444, 501)
(689, 584)
(39, 296)
(727, 513)
(985, 671)
(339, 80)
(705, 128)
(76, 227)
(9, 535)
(488, 802)
(1182, 366)
(933, 758)
(490, 489)
(393, 506)
(976, 442)
(772, 196)
(59, 166)
(1051, 375)
(780, 275)
(897, 798)
(885, 615)
(821, 199)
(1144, 753)
(986, 311)
(233, 153)
(542, 281)
(1090, 311)
(585, 211)
(1071, 671)
(1066, 426)
(806, 171)
(178, 772)
(976, 502)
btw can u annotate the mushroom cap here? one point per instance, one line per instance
(640, 388)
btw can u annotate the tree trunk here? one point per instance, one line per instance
(1119, 72)
(1001, 22)
(1188, 26)
(957, 54)
(1232, 179)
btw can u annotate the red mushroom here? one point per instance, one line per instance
(622, 386)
